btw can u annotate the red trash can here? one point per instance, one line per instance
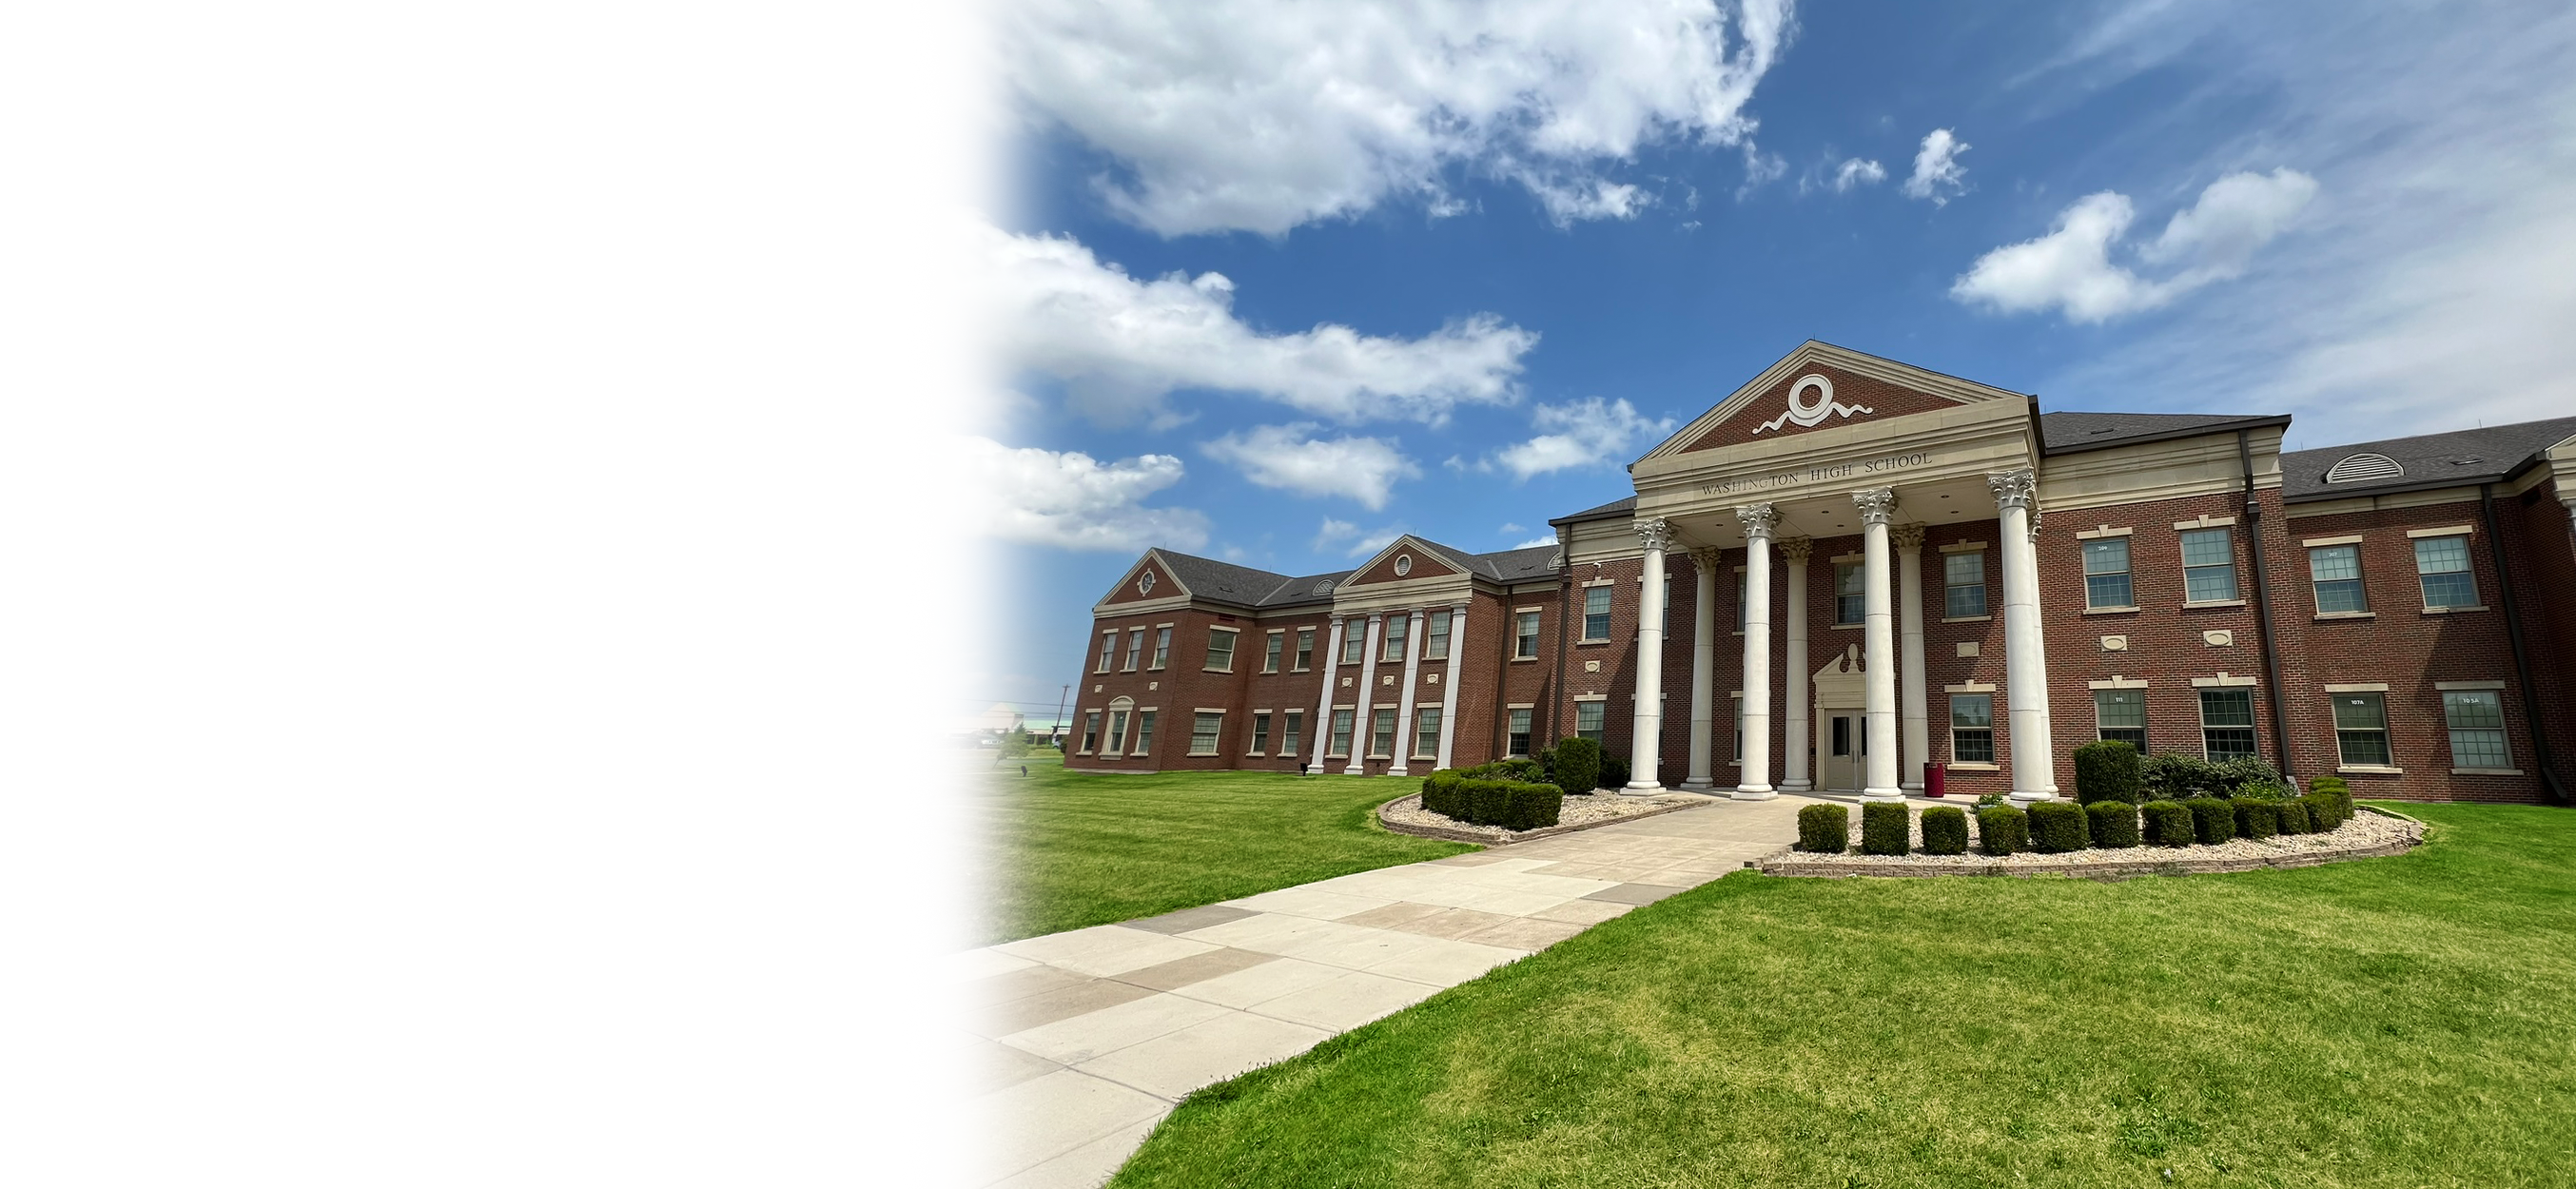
(1933, 773)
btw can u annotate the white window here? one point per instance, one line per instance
(1162, 647)
(1119, 711)
(1391, 645)
(1090, 730)
(2227, 724)
(1135, 648)
(1290, 732)
(1144, 731)
(1261, 731)
(2208, 565)
(2361, 729)
(2476, 718)
(1972, 729)
(2106, 574)
(1851, 594)
(1516, 740)
(1354, 640)
(1270, 650)
(1739, 728)
(1381, 732)
(1525, 642)
(1596, 613)
(2443, 565)
(1204, 729)
(1963, 585)
(1108, 650)
(1305, 649)
(1590, 718)
(2121, 714)
(1435, 637)
(1426, 733)
(1221, 650)
(1341, 741)
(2335, 573)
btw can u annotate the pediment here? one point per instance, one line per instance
(1819, 386)
(1149, 580)
(1405, 559)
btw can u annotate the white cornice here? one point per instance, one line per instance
(1811, 353)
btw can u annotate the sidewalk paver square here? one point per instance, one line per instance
(1035, 979)
(1082, 998)
(1271, 980)
(1203, 1054)
(1394, 916)
(1197, 968)
(1347, 1002)
(1582, 912)
(1362, 948)
(1454, 922)
(1088, 1166)
(994, 1065)
(1319, 903)
(1191, 918)
(1037, 1120)
(1080, 1038)
(1524, 933)
(1635, 893)
(1104, 950)
(1446, 963)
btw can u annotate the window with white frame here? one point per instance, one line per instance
(2476, 719)
(2361, 729)
(2121, 714)
(1260, 732)
(1108, 650)
(2106, 574)
(1305, 650)
(1220, 658)
(1851, 593)
(1354, 641)
(1291, 728)
(2334, 571)
(2208, 565)
(1972, 728)
(1382, 732)
(1162, 647)
(1119, 711)
(1739, 728)
(1664, 610)
(1516, 735)
(1270, 650)
(1435, 636)
(1340, 744)
(1144, 731)
(1590, 719)
(2227, 724)
(1135, 648)
(1596, 613)
(1743, 600)
(1525, 639)
(1391, 645)
(1963, 584)
(1090, 732)
(2442, 563)
(1205, 726)
(1426, 732)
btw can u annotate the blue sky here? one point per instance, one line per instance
(1472, 262)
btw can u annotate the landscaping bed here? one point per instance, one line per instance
(2371, 833)
(1405, 815)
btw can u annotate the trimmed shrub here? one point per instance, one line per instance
(1824, 829)
(2323, 813)
(2249, 772)
(1511, 804)
(2056, 827)
(2168, 823)
(2257, 819)
(2112, 824)
(1945, 830)
(2002, 830)
(1614, 773)
(1530, 806)
(1991, 800)
(1885, 829)
(1443, 794)
(2212, 821)
(2293, 817)
(1575, 765)
(2174, 776)
(2106, 771)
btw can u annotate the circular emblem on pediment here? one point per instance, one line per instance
(1145, 585)
(1403, 564)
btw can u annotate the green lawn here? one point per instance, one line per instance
(1070, 849)
(2406, 1021)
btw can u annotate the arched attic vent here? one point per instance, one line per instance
(2362, 468)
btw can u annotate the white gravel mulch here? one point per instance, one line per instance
(1578, 811)
(2368, 834)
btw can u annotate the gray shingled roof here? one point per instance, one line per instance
(1243, 586)
(2431, 460)
(2071, 433)
(1609, 511)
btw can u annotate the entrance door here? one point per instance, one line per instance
(1846, 742)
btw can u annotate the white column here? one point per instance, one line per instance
(1331, 665)
(1647, 727)
(1449, 682)
(2047, 773)
(1910, 699)
(1794, 735)
(1404, 711)
(2034, 759)
(1754, 778)
(1703, 670)
(1368, 690)
(1878, 648)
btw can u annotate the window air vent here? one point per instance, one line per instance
(1324, 588)
(2362, 468)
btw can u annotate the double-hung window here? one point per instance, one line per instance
(1963, 584)
(1108, 650)
(1204, 728)
(1516, 740)
(1972, 729)
(1305, 649)
(1382, 732)
(1341, 738)
(1426, 732)
(2106, 574)
(2227, 724)
(2335, 572)
(1135, 648)
(1743, 600)
(1435, 636)
(1220, 657)
(1270, 649)
(1851, 594)
(2121, 714)
(2208, 565)
(1391, 645)
(2443, 565)
(1162, 647)
(1739, 728)
(2361, 729)
(1117, 730)
(2476, 719)
(1144, 731)
(1590, 719)
(1354, 640)
(1260, 732)
(1664, 610)
(1090, 731)
(1596, 613)
(1290, 731)
(1525, 638)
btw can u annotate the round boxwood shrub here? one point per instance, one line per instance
(2257, 819)
(1945, 830)
(2106, 771)
(2293, 817)
(1824, 829)
(2002, 830)
(2056, 827)
(2112, 824)
(1885, 828)
(1614, 773)
(1575, 765)
(2213, 820)
(2168, 823)
(2323, 812)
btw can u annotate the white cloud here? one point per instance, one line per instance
(2071, 268)
(1122, 344)
(1072, 501)
(1588, 432)
(1535, 542)
(1937, 172)
(1288, 458)
(1856, 172)
(1262, 116)
(1351, 539)
(1509, 528)
(1759, 169)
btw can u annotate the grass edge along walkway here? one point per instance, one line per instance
(2399, 1021)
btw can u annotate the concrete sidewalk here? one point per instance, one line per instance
(1087, 1039)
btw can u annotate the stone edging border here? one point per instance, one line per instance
(1510, 837)
(1789, 862)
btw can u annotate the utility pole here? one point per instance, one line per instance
(1058, 724)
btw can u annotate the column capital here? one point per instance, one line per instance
(1796, 550)
(2014, 489)
(2034, 523)
(1877, 504)
(1655, 534)
(1759, 520)
(1705, 559)
(1906, 536)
